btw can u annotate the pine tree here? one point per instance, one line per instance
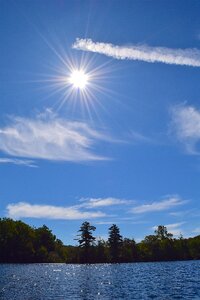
(115, 243)
(86, 241)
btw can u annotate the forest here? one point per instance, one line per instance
(21, 243)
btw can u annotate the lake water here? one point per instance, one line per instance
(165, 280)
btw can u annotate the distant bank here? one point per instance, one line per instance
(21, 243)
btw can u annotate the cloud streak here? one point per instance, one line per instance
(163, 205)
(50, 138)
(186, 125)
(185, 57)
(26, 210)
(104, 202)
(15, 161)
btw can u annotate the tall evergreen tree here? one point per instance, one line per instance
(86, 241)
(115, 243)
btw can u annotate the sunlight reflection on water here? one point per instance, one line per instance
(168, 280)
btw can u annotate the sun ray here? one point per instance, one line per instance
(60, 81)
(78, 84)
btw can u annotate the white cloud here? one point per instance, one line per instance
(188, 57)
(79, 211)
(26, 210)
(15, 161)
(186, 125)
(158, 206)
(103, 202)
(50, 138)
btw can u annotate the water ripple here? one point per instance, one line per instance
(164, 281)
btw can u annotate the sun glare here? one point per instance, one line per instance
(77, 83)
(79, 79)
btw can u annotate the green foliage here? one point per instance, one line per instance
(194, 247)
(128, 250)
(45, 242)
(16, 241)
(21, 243)
(181, 247)
(72, 254)
(149, 248)
(102, 251)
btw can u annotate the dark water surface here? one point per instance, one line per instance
(165, 280)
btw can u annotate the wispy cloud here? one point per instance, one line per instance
(159, 206)
(187, 57)
(50, 138)
(137, 137)
(186, 125)
(196, 230)
(15, 161)
(103, 202)
(174, 228)
(106, 222)
(27, 210)
(174, 225)
(183, 213)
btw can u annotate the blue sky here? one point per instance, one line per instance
(125, 149)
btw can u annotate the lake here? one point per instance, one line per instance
(161, 280)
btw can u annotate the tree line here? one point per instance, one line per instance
(21, 243)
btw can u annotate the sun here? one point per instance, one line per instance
(79, 79)
(77, 84)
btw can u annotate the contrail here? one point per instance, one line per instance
(184, 57)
